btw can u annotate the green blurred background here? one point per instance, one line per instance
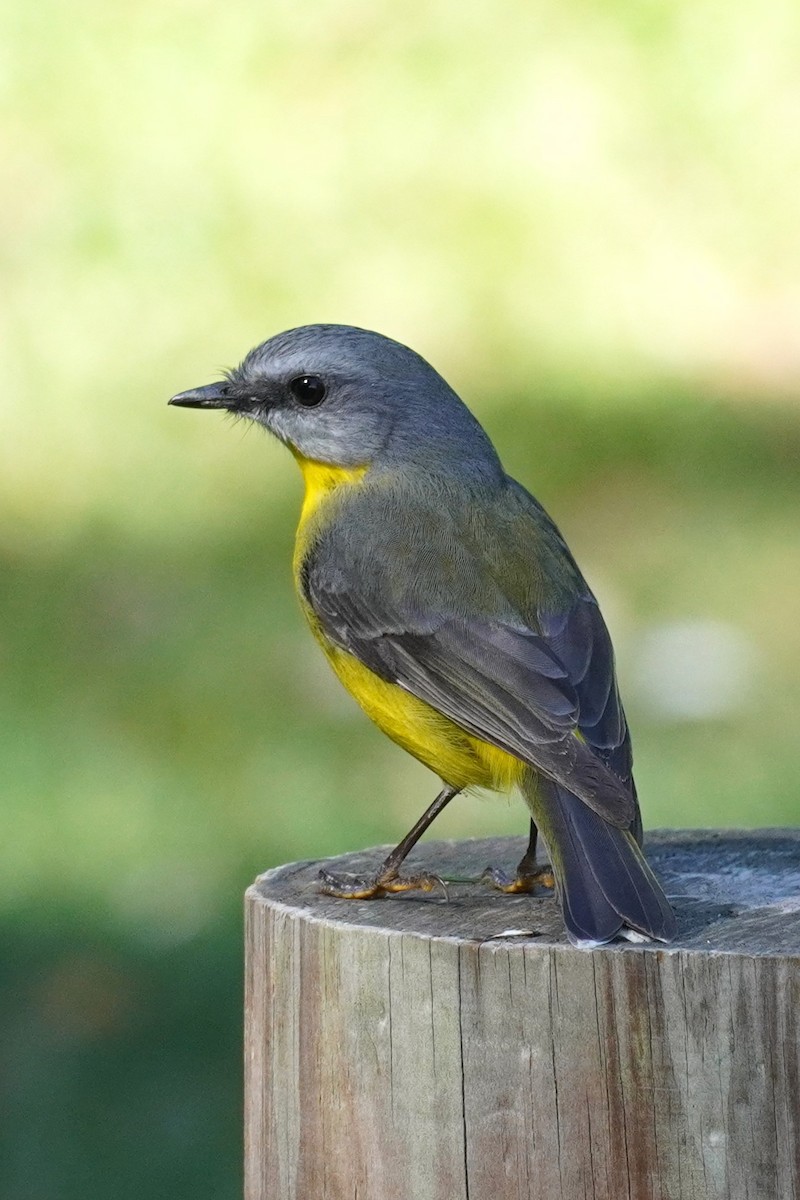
(586, 216)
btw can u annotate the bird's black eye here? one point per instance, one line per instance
(309, 390)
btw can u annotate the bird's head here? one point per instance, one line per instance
(345, 396)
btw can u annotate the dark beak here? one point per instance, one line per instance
(213, 395)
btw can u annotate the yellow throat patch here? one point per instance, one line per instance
(320, 480)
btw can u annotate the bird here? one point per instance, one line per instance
(449, 605)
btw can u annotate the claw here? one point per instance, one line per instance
(411, 883)
(349, 887)
(359, 887)
(521, 881)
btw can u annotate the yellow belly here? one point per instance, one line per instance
(458, 758)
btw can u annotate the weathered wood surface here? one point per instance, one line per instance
(401, 1049)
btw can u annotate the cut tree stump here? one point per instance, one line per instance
(423, 1048)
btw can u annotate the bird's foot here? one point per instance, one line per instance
(520, 881)
(370, 887)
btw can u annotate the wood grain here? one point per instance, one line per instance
(403, 1049)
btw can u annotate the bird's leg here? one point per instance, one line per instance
(528, 875)
(388, 879)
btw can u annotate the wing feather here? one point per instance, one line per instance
(497, 679)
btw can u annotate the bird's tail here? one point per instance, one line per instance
(603, 881)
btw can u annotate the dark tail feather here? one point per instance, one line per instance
(603, 880)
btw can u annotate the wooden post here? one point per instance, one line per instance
(418, 1048)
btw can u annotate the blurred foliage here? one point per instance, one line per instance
(585, 216)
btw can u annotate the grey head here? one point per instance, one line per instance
(349, 397)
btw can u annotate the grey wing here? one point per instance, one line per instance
(579, 639)
(496, 678)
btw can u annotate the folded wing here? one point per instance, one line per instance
(547, 696)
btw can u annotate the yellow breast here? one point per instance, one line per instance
(457, 757)
(321, 481)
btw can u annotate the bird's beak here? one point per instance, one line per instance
(213, 395)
